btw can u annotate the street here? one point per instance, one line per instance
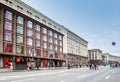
(103, 74)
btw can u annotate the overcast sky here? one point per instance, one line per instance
(96, 21)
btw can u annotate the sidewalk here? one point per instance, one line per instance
(2, 70)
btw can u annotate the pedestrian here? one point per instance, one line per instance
(90, 66)
(68, 66)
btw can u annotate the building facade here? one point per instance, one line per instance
(109, 59)
(27, 37)
(75, 49)
(95, 56)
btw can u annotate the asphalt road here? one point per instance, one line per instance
(104, 74)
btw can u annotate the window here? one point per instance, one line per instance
(8, 36)
(8, 26)
(8, 15)
(38, 52)
(50, 40)
(29, 42)
(30, 51)
(29, 33)
(19, 39)
(37, 35)
(56, 55)
(60, 43)
(56, 48)
(19, 49)
(44, 30)
(8, 47)
(45, 38)
(50, 33)
(45, 45)
(19, 29)
(37, 27)
(37, 43)
(60, 37)
(29, 24)
(20, 20)
(56, 42)
(50, 47)
(55, 35)
(60, 49)
(45, 53)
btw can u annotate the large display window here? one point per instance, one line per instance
(29, 42)
(29, 24)
(8, 47)
(8, 26)
(37, 28)
(29, 33)
(37, 35)
(20, 20)
(7, 36)
(19, 29)
(19, 49)
(19, 39)
(8, 15)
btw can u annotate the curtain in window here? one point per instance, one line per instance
(8, 15)
(8, 26)
(8, 47)
(8, 36)
(19, 29)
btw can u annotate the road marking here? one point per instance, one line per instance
(81, 76)
(3, 79)
(23, 80)
(23, 76)
(113, 72)
(61, 81)
(107, 77)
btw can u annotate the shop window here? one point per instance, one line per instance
(55, 35)
(6, 62)
(50, 33)
(19, 39)
(29, 33)
(45, 53)
(44, 30)
(37, 43)
(19, 49)
(8, 36)
(38, 52)
(45, 63)
(8, 47)
(37, 27)
(29, 42)
(8, 15)
(8, 26)
(29, 24)
(20, 20)
(45, 45)
(37, 35)
(19, 29)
